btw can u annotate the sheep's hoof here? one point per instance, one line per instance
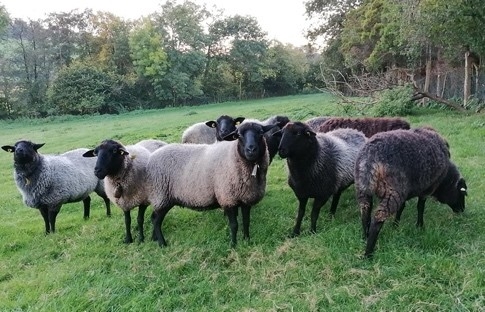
(294, 234)
(128, 240)
(86, 217)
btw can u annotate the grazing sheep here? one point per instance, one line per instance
(398, 165)
(369, 125)
(210, 131)
(123, 170)
(203, 177)
(320, 165)
(316, 122)
(46, 182)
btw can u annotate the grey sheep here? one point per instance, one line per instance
(207, 176)
(123, 169)
(320, 165)
(210, 131)
(46, 182)
(398, 165)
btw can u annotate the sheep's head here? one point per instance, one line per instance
(224, 125)
(251, 145)
(25, 152)
(452, 190)
(111, 156)
(295, 137)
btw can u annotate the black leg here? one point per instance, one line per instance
(374, 230)
(52, 213)
(157, 219)
(335, 200)
(365, 205)
(107, 203)
(421, 202)
(45, 216)
(128, 237)
(397, 220)
(232, 218)
(299, 216)
(246, 210)
(141, 220)
(87, 207)
(317, 206)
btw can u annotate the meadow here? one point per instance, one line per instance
(85, 266)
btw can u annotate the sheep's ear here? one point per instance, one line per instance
(37, 146)
(8, 148)
(268, 127)
(310, 133)
(231, 136)
(89, 153)
(239, 120)
(277, 133)
(123, 152)
(211, 123)
(462, 186)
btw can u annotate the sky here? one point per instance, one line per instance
(282, 20)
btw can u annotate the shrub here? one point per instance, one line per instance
(394, 102)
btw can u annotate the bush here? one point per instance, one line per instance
(394, 102)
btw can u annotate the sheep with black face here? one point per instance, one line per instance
(46, 182)
(211, 131)
(398, 165)
(228, 175)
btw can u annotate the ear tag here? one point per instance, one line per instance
(10, 150)
(255, 170)
(132, 156)
(463, 189)
(27, 181)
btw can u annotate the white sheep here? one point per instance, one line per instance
(207, 176)
(46, 182)
(123, 170)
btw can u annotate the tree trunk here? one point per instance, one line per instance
(427, 80)
(467, 83)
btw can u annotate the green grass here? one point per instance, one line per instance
(85, 266)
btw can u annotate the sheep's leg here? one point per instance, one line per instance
(232, 218)
(388, 206)
(107, 203)
(157, 219)
(317, 206)
(128, 237)
(299, 216)
(397, 219)
(52, 214)
(335, 200)
(45, 216)
(421, 202)
(246, 210)
(87, 207)
(141, 220)
(365, 206)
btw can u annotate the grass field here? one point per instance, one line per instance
(85, 266)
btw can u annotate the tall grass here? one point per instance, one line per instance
(85, 266)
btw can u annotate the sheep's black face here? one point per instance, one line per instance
(25, 152)
(452, 190)
(224, 125)
(251, 143)
(295, 139)
(110, 158)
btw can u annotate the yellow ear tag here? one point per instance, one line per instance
(10, 150)
(132, 156)
(27, 181)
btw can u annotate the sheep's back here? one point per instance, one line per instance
(410, 161)
(199, 133)
(368, 125)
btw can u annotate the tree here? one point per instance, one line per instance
(4, 19)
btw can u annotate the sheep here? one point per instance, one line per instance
(401, 164)
(123, 170)
(151, 144)
(210, 131)
(272, 136)
(46, 182)
(316, 122)
(368, 125)
(208, 176)
(320, 165)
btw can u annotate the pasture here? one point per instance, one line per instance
(85, 266)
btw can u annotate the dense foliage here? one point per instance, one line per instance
(84, 62)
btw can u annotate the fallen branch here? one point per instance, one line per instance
(421, 94)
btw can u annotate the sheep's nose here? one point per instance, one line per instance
(251, 149)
